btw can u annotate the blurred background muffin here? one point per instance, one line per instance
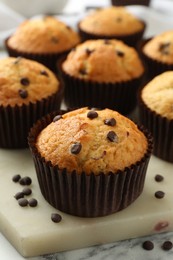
(28, 91)
(156, 113)
(158, 53)
(102, 73)
(112, 22)
(44, 39)
(98, 166)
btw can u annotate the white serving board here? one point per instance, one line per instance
(32, 233)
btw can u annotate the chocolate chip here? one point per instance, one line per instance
(55, 217)
(44, 72)
(148, 245)
(88, 51)
(54, 39)
(167, 245)
(92, 114)
(118, 19)
(25, 181)
(110, 121)
(16, 178)
(82, 71)
(159, 178)
(23, 93)
(25, 81)
(164, 48)
(111, 136)
(56, 118)
(23, 202)
(76, 148)
(128, 133)
(106, 41)
(159, 194)
(68, 27)
(32, 202)
(19, 195)
(27, 191)
(120, 53)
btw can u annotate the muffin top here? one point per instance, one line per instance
(160, 47)
(92, 141)
(23, 81)
(111, 21)
(43, 35)
(158, 94)
(103, 61)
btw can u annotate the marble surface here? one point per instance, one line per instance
(159, 18)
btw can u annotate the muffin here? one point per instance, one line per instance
(130, 2)
(90, 162)
(158, 53)
(102, 74)
(28, 90)
(110, 23)
(156, 113)
(43, 39)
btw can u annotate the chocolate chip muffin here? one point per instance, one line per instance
(43, 39)
(98, 160)
(102, 73)
(110, 23)
(158, 53)
(156, 113)
(28, 91)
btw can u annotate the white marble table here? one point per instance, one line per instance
(158, 18)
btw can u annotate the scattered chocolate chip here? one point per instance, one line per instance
(23, 93)
(68, 27)
(25, 181)
(128, 133)
(106, 41)
(44, 72)
(27, 191)
(111, 136)
(83, 71)
(56, 118)
(88, 51)
(164, 48)
(32, 202)
(167, 245)
(120, 53)
(56, 217)
(159, 194)
(92, 114)
(148, 245)
(76, 148)
(23, 202)
(110, 121)
(54, 39)
(25, 81)
(19, 195)
(16, 178)
(159, 178)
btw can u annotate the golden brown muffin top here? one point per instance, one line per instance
(23, 81)
(43, 35)
(111, 21)
(158, 94)
(103, 61)
(92, 141)
(160, 47)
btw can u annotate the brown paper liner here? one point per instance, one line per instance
(130, 39)
(47, 59)
(130, 2)
(15, 122)
(154, 67)
(161, 129)
(117, 96)
(87, 195)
